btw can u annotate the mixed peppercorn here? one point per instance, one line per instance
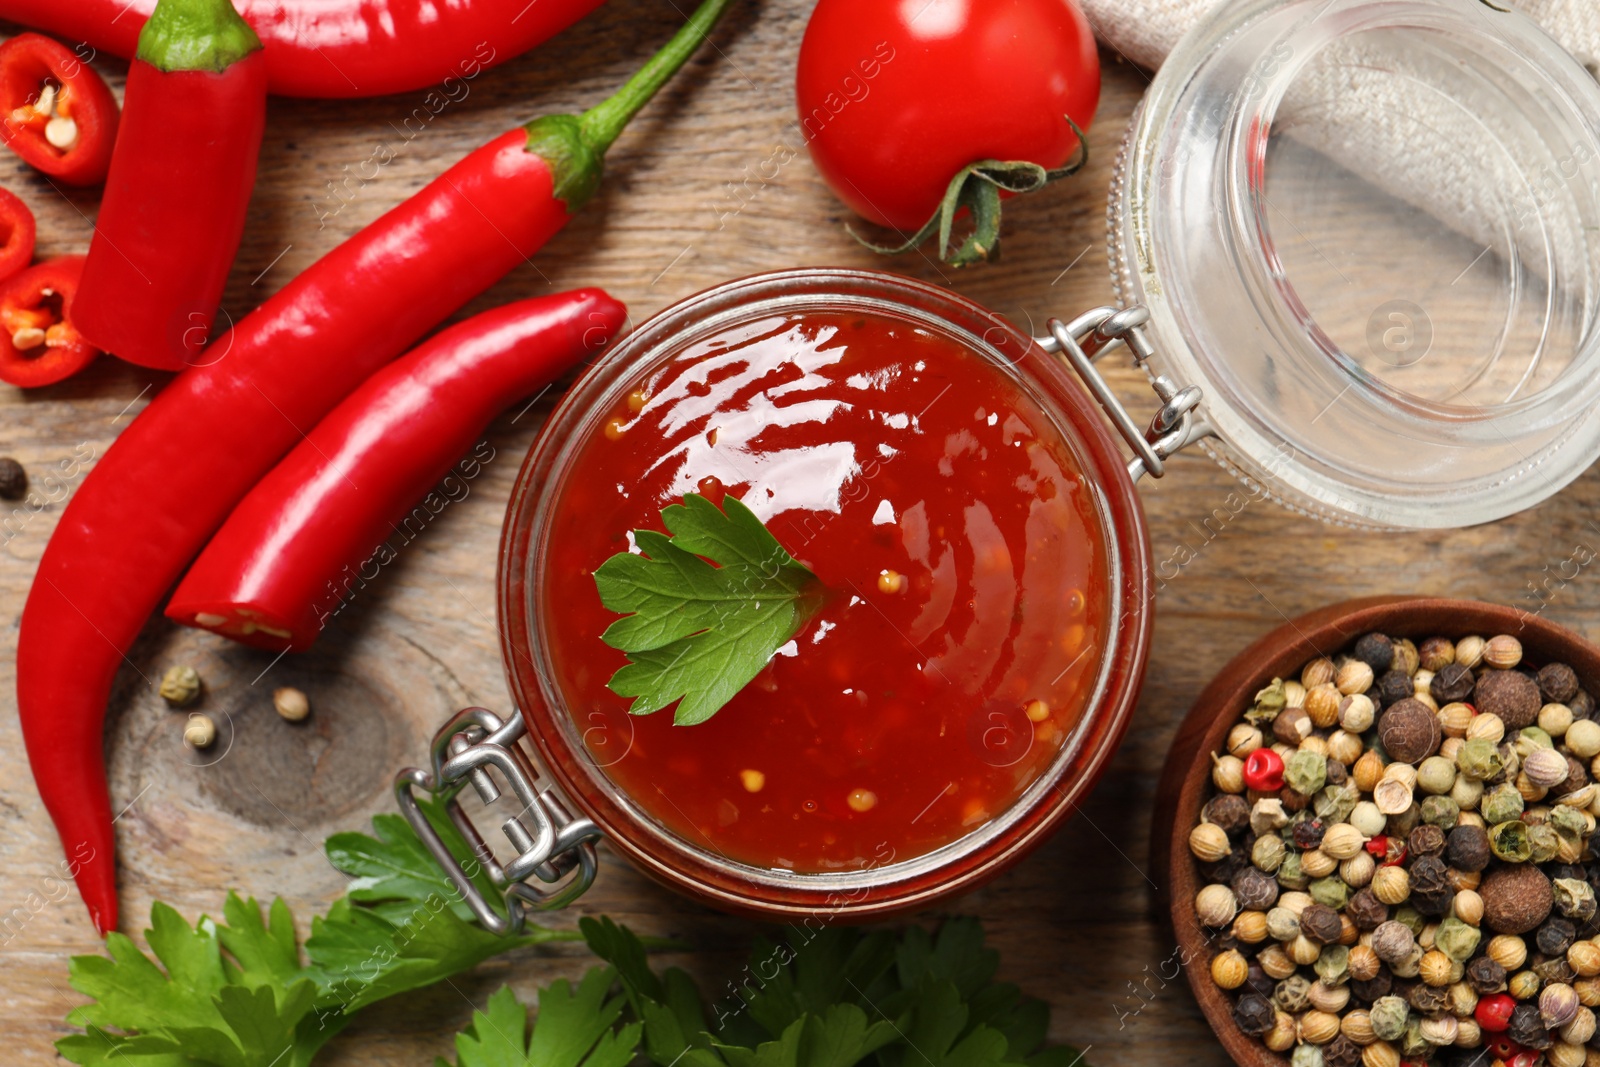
(1396, 859)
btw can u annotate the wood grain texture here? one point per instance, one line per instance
(706, 186)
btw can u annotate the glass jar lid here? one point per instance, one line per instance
(1370, 231)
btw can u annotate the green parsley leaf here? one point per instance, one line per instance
(239, 994)
(573, 1028)
(704, 610)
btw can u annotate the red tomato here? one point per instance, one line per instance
(38, 343)
(55, 111)
(897, 96)
(17, 232)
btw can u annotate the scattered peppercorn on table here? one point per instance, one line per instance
(697, 195)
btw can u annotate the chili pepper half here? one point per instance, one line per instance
(283, 562)
(55, 111)
(41, 346)
(176, 472)
(17, 233)
(180, 181)
(340, 48)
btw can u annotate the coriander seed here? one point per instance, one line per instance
(180, 686)
(1250, 927)
(1584, 958)
(1319, 1027)
(1555, 719)
(1318, 672)
(1229, 969)
(1583, 739)
(1502, 652)
(1391, 885)
(1469, 651)
(1581, 1028)
(200, 732)
(1275, 961)
(1215, 906)
(1244, 739)
(1283, 1035)
(291, 703)
(1454, 719)
(1227, 773)
(1209, 843)
(1322, 705)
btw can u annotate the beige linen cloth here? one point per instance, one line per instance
(1144, 31)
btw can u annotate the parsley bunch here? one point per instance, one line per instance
(244, 993)
(825, 997)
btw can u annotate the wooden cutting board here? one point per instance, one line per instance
(709, 184)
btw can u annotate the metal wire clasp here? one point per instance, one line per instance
(552, 844)
(1175, 426)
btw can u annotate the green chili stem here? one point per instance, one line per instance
(195, 35)
(601, 124)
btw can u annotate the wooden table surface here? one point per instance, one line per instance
(709, 184)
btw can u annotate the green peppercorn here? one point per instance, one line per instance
(1268, 853)
(1544, 844)
(1530, 739)
(1410, 918)
(1290, 876)
(1333, 966)
(1479, 759)
(1456, 939)
(1306, 772)
(1389, 1017)
(1336, 802)
(1574, 898)
(1441, 812)
(1436, 775)
(1569, 822)
(1268, 703)
(1501, 804)
(1509, 842)
(1412, 1043)
(1331, 891)
(1306, 1056)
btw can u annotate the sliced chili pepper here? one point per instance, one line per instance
(40, 344)
(341, 48)
(197, 449)
(280, 566)
(55, 111)
(17, 232)
(180, 181)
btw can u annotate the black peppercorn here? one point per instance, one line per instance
(1434, 903)
(1429, 1000)
(1337, 773)
(1429, 875)
(1558, 683)
(1450, 684)
(1486, 976)
(1467, 848)
(1366, 910)
(1425, 840)
(1376, 651)
(1373, 988)
(1321, 924)
(1577, 778)
(1395, 686)
(1258, 981)
(1308, 833)
(13, 479)
(1555, 936)
(1224, 869)
(1255, 889)
(1527, 1028)
(1511, 695)
(1341, 1052)
(1582, 705)
(1552, 970)
(1230, 811)
(1255, 1015)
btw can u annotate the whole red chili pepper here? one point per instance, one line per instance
(181, 175)
(272, 575)
(340, 48)
(40, 345)
(55, 111)
(179, 468)
(17, 233)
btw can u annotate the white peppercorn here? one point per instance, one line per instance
(1209, 842)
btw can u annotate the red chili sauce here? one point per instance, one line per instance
(964, 569)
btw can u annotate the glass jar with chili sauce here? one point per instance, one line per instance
(974, 641)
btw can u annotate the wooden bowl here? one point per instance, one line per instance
(1186, 779)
